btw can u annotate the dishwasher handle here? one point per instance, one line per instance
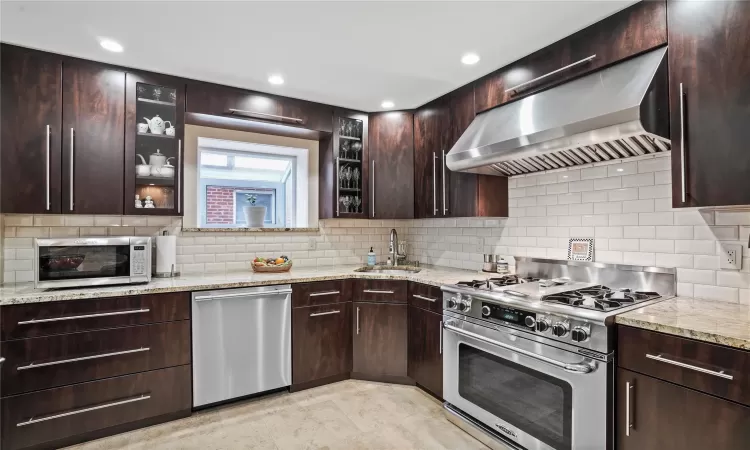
(203, 298)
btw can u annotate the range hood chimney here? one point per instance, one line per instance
(618, 112)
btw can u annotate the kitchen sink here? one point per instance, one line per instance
(389, 270)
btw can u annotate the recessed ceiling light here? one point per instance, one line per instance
(387, 104)
(470, 58)
(112, 46)
(275, 79)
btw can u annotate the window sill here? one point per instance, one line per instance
(249, 230)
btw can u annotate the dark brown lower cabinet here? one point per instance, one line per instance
(425, 354)
(659, 415)
(321, 344)
(57, 417)
(380, 342)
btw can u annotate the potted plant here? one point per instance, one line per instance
(254, 215)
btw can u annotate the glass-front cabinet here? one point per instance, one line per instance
(351, 171)
(155, 125)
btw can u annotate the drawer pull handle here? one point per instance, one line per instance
(719, 374)
(327, 313)
(83, 358)
(375, 291)
(83, 410)
(200, 298)
(320, 294)
(85, 316)
(433, 300)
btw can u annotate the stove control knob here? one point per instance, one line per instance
(543, 325)
(529, 321)
(486, 311)
(452, 303)
(579, 334)
(560, 329)
(464, 305)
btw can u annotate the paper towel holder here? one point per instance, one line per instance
(172, 267)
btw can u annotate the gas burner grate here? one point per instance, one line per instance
(507, 280)
(600, 297)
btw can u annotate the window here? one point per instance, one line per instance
(229, 172)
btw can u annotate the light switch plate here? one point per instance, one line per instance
(731, 256)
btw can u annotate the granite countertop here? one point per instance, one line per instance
(25, 292)
(705, 320)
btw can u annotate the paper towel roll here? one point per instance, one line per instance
(166, 255)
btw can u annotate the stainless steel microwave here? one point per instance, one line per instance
(93, 261)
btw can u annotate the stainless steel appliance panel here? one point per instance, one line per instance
(241, 342)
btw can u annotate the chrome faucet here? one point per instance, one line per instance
(393, 248)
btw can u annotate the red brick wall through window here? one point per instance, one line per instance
(220, 204)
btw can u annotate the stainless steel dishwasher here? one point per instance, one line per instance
(242, 342)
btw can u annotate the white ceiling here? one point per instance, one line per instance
(353, 54)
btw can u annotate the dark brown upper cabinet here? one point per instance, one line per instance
(31, 90)
(344, 167)
(159, 140)
(709, 77)
(93, 138)
(430, 124)
(632, 31)
(257, 108)
(391, 174)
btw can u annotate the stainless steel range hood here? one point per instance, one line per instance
(618, 112)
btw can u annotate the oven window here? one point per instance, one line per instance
(532, 401)
(71, 263)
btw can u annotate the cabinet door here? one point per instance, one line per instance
(31, 90)
(392, 165)
(380, 340)
(709, 69)
(430, 121)
(93, 138)
(425, 354)
(664, 416)
(321, 342)
(149, 96)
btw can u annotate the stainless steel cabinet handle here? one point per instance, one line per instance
(434, 184)
(327, 313)
(628, 422)
(569, 66)
(245, 113)
(83, 358)
(85, 316)
(47, 169)
(374, 291)
(441, 337)
(581, 368)
(357, 319)
(2, 360)
(445, 207)
(719, 374)
(373, 188)
(200, 298)
(320, 294)
(83, 410)
(424, 298)
(683, 144)
(72, 162)
(338, 185)
(179, 175)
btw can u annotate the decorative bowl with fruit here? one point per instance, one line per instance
(280, 264)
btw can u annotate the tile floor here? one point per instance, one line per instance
(347, 415)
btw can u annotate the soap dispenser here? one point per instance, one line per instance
(371, 258)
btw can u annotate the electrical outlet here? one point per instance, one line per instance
(312, 244)
(731, 256)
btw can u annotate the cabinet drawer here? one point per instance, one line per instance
(46, 362)
(43, 417)
(380, 291)
(320, 293)
(43, 319)
(426, 297)
(698, 365)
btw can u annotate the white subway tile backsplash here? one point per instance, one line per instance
(718, 233)
(626, 245)
(601, 220)
(685, 289)
(654, 165)
(581, 186)
(656, 218)
(658, 191)
(643, 179)
(693, 217)
(601, 184)
(657, 245)
(618, 195)
(645, 232)
(593, 173)
(695, 247)
(622, 168)
(694, 276)
(608, 256)
(710, 262)
(639, 258)
(581, 208)
(674, 232)
(733, 217)
(545, 200)
(569, 221)
(594, 196)
(623, 219)
(558, 188)
(733, 279)
(608, 208)
(674, 260)
(719, 293)
(664, 177)
(582, 232)
(569, 175)
(535, 190)
(637, 206)
(567, 199)
(608, 232)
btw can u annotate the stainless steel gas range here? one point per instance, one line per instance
(528, 358)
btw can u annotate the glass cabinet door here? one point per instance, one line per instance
(350, 172)
(154, 156)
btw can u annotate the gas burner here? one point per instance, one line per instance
(600, 297)
(489, 283)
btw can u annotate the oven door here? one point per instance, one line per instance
(536, 395)
(64, 263)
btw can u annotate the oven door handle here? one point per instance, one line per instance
(574, 368)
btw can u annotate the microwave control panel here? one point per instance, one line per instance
(139, 260)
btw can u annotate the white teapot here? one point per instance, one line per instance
(165, 171)
(170, 129)
(156, 125)
(157, 159)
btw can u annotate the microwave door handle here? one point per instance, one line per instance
(581, 368)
